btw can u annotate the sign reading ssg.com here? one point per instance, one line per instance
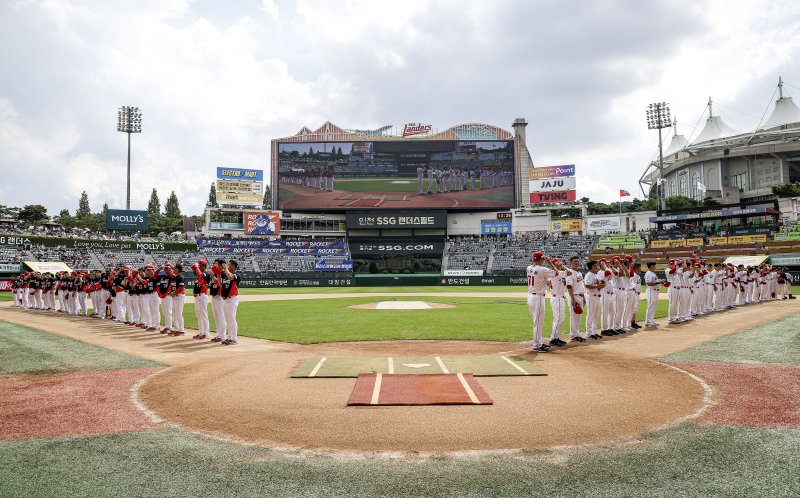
(121, 219)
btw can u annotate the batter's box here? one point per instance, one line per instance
(396, 197)
(345, 197)
(375, 202)
(477, 365)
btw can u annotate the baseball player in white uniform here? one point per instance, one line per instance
(577, 301)
(634, 292)
(594, 288)
(653, 283)
(558, 300)
(537, 286)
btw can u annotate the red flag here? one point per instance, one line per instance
(624, 193)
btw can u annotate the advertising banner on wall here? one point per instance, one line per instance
(463, 273)
(249, 175)
(405, 246)
(10, 267)
(262, 223)
(47, 266)
(122, 219)
(552, 184)
(239, 199)
(5, 285)
(495, 227)
(609, 223)
(560, 196)
(569, 225)
(240, 186)
(323, 265)
(396, 219)
(565, 170)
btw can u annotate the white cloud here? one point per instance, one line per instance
(216, 86)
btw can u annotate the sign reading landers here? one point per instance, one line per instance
(262, 223)
(396, 219)
(121, 219)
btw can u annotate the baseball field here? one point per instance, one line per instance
(93, 408)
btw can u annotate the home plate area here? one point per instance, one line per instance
(478, 366)
(417, 380)
(433, 389)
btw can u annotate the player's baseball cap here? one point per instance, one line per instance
(538, 255)
(202, 262)
(603, 260)
(150, 267)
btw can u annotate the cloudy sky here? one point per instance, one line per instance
(218, 80)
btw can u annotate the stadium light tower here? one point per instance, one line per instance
(129, 120)
(657, 119)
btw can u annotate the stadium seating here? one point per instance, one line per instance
(12, 255)
(134, 259)
(470, 252)
(77, 259)
(510, 255)
(184, 258)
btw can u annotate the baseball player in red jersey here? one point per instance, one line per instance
(200, 292)
(217, 303)
(178, 299)
(230, 297)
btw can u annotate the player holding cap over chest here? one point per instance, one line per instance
(538, 276)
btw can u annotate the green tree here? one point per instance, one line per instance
(267, 202)
(64, 218)
(105, 209)
(786, 190)
(83, 206)
(33, 214)
(171, 208)
(154, 205)
(710, 201)
(680, 202)
(212, 195)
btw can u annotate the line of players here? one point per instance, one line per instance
(138, 297)
(696, 288)
(443, 181)
(610, 291)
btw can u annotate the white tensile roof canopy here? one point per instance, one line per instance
(785, 111)
(715, 127)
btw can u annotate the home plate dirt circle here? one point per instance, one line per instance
(589, 395)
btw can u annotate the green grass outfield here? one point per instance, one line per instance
(27, 350)
(330, 320)
(683, 461)
(434, 289)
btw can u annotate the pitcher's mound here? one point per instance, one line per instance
(400, 305)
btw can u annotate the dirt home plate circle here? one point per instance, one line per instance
(253, 397)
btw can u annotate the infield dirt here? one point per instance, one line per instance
(596, 392)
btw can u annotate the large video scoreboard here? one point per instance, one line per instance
(402, 174)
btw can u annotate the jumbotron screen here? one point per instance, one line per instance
(396, 174)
